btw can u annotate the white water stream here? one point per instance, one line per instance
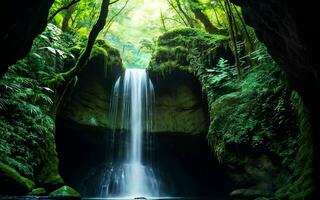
(132, 101)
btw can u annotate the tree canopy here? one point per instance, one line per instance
(133, 25)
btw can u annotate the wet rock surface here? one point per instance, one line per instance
(293, 44)
(254, 122)
(179, 103)
(180, 106)
(65, 191)
(24, 20)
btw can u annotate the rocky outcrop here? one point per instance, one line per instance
(90, 98)
(13, 182)
(65, 192)
(292, 42)
(179, 104)
(255, 128)
(24, 20)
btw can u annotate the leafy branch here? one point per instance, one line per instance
(63, 8)
(64, 80)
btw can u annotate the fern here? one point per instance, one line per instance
(24, 93)
(26, 100)
(39, 97)
(222, 63)
(4, 103)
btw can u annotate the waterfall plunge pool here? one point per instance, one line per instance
(100, 161)
(156, 198)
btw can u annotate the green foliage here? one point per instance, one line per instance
(27, 130)
(147, 46)
(37, 192)
(251, 116)
(83, 14)
(109, 57)
(65, 191)
(177, 48)
(243, 117)
(14, 182)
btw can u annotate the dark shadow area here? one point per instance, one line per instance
(184, 162)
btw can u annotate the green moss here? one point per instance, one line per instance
(37, 192)
(301, 184)
(254, 118)
(254, 113)
(65, 191)
(103, 54)
(27, 142)
(104, 66)
(12, 182)
(49, 175)
(189, 35)
(98, 51)
(179, 46)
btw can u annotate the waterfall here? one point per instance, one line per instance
(132, 174)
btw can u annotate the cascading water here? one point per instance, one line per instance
(132, 174)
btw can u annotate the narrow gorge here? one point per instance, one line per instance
(165, 99)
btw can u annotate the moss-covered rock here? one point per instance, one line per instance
(180, 106)
(65, 191)
(256, 129)
(12, 182)
(27, 144)
(88, 103)
(38, 192)
(300, 185)
(249, 194)
(27, 140)
(176, 49)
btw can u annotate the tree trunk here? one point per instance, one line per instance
(178, 13)
(233, 34)
(62, 8)
(250, 46)
(203, 18)
(67, 17)
(216, 15)
(63, 80)
(101, 22)
(163, 21)
(189, 19)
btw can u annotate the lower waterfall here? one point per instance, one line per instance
(131, 174)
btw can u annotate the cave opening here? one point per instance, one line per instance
(181, 155)
(189, 167)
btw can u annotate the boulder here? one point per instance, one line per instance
(180, 106)
(65, 191)
(12, 183)
(179, 103)
(38, 192)
(90, 99)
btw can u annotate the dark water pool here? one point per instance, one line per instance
(90, 198)
(158, 198)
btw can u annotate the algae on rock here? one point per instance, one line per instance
(65, 191)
